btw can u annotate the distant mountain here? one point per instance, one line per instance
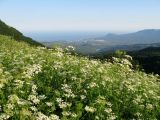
(128, 42)
(10, 31)
(141, 37)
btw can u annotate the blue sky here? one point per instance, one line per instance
(81, 15)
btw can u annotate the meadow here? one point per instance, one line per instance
(37, 83)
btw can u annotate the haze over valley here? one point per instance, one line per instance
(92, 42)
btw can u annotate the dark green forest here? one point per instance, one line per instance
(148, 59)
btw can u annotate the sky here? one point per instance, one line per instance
(81, 15)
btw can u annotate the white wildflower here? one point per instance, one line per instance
(42, 97)
(21, 102)
(32, 70)
(54, 117)
(90, 109)
(138, 114)
(41, 48)
(94, 62)
(108, 110)
(13, 98)
(97, 118)
(4, 116)
(68, 92)
(70, 48)
(19, 83)
(149, 106)
(49, 104)
(34, 88)
(92, 85)
(109, 104)
(33, 108)
(59, 100)
(128, 57)
(41, 116)
(74, 115)
(112, 117)
(66, 113)
(63, 105)
(34, 99)
(83, 97)
(10, 106)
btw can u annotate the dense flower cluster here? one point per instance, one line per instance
(50, 84)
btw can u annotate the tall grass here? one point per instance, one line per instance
(46, 84)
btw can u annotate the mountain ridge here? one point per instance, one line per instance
(139, 37)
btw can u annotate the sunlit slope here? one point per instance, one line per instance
(46, 84)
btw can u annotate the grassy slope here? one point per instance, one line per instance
(38, 83)
(10, 31)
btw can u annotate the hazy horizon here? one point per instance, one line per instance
(49, 36)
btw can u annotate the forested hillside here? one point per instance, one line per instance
(148, 59)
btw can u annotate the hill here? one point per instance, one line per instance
(51, 84)
(146, 36)
(10, 31)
